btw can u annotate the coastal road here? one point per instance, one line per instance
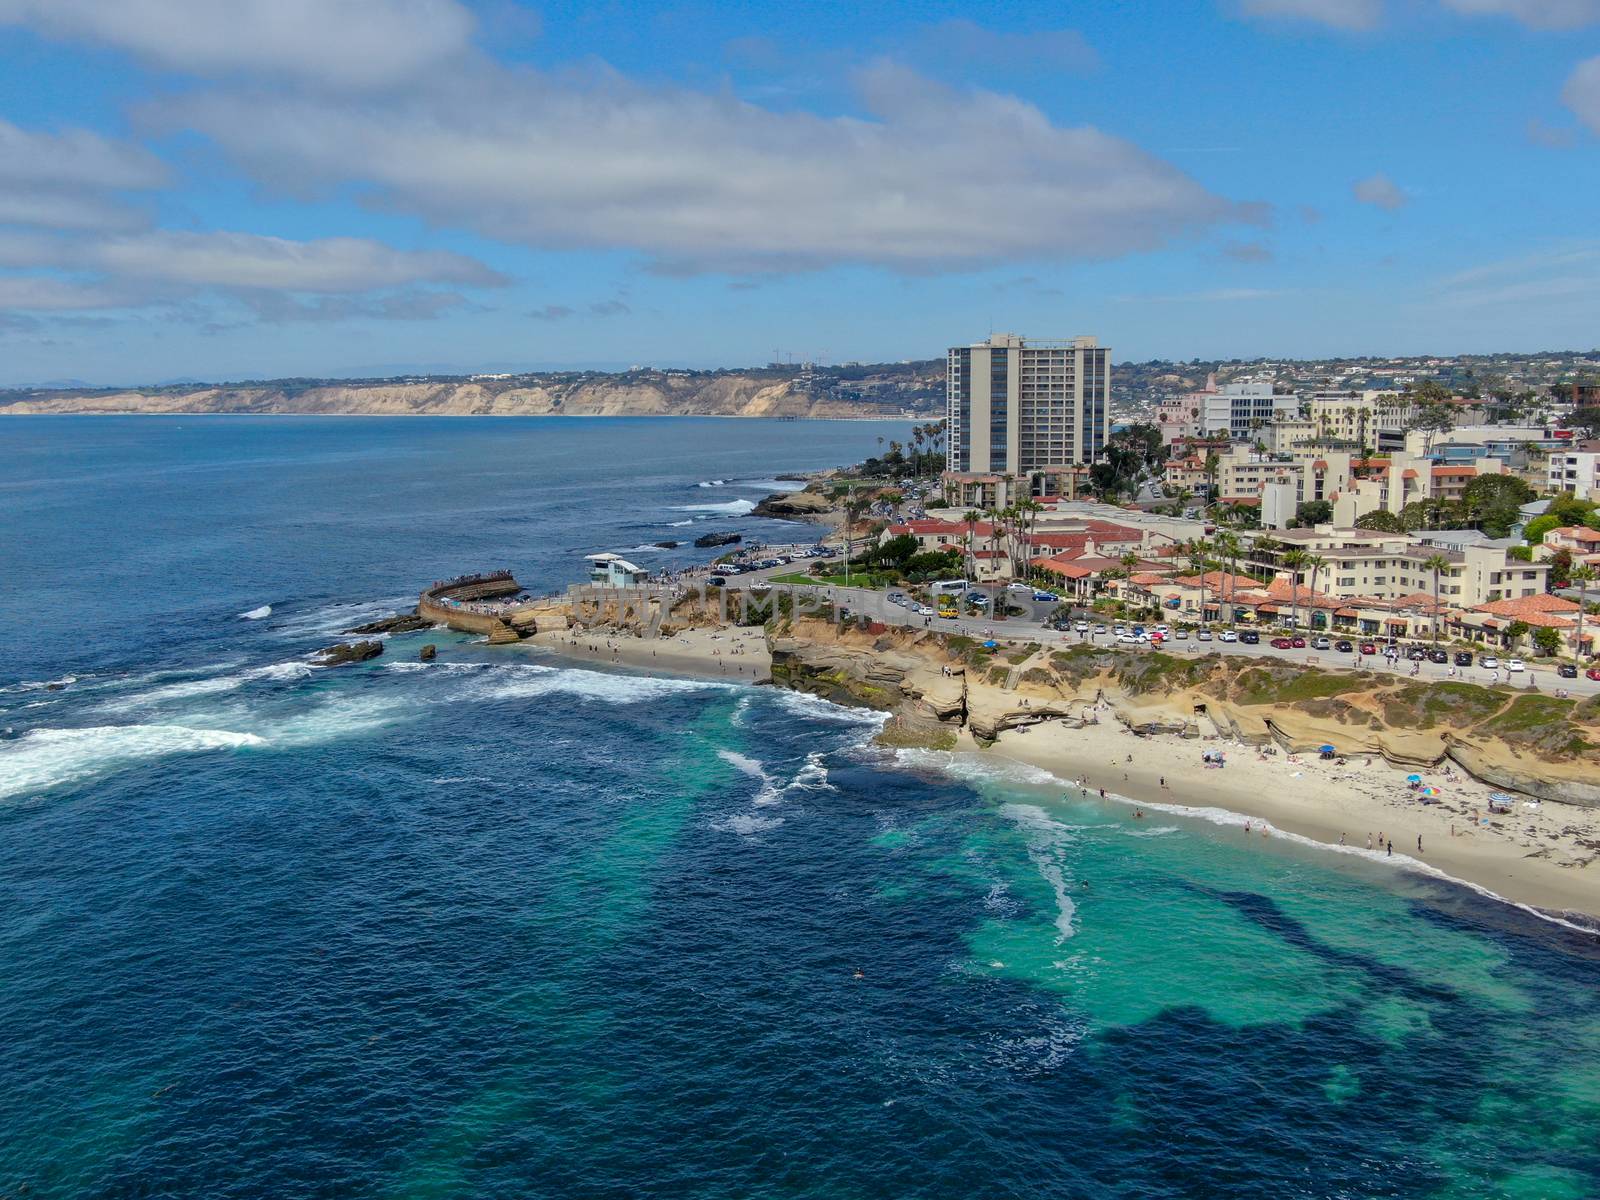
(875, 604)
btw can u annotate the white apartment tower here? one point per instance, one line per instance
(1017, 407)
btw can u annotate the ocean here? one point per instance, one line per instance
(500, 926)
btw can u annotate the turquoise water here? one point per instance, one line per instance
(505, 927)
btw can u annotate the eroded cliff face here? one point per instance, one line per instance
(726, 395)
(1527, 742)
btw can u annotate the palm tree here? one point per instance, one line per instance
(916, 451)
(1294, 560)
(1227, 545)
(1436, 563)
(1582, 575)
(1315, 563)
(971, 517)
(1197, 551)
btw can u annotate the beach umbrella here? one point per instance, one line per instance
(1326, 749)
(1430, 791)
(990, 645)
(1413, 778)
(1503, 797)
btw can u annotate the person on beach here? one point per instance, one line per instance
(1419, 843)
(1369, 841)
(1389, 848)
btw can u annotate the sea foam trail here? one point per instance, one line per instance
(768, 793)
(1047, 839)
(256, 614)
(49, 758)
(209, 686)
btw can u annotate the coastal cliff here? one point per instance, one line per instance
(1527, 742)
(758, 393)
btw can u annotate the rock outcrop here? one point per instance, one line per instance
(399, 623)
(791, 506)
(1539, 745)
(346, 653)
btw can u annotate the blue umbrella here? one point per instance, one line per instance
(990, 645)
(1413, 778)
(1326, 749)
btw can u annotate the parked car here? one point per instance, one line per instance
(1416, 654)
(1099, 631)
(1369, 648)
(1183, 635)
(1250, 637)
(1299, 643)
(922, 610)
(1321, 643)
(1081, 627)
(1283, 643)
(1489, 662)
(1567, 671)
(1204, 635)
(1463, 658)
(1438, 656)
(1046, 596)
(1227, 635)
(718, 581)
(1515, 664)
(1592, 673)
(1129, 638)
(1344, 647)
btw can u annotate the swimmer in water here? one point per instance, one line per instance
(1138, 814)
(860, 974)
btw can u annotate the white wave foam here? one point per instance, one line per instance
(333, 619)
(747, 824)
(39, 685)
(971, 768)
(48, 758)
(526, 681)
(256, 614)
(813, 776)
(679, 524)
(1153, 831)
(337, 718)
(806, 705)
(732, 508)
(274, 673)
(768, 793)
(708, 483)
(407, 666)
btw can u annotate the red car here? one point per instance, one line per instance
(1368, 648)
(1299, 643)
(1283, 644)
(1593, 673)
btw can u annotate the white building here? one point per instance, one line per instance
(1575, 471)
(612, 570)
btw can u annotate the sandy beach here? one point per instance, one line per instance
(730, 653)
(1540, 854)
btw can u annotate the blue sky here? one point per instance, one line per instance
(230, 189)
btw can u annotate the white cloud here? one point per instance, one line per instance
(243, 260)
(1554, 276)
(345, 277)
(1379, 191)
(935, 179)
(1536, 14)
(338, 44)
(71, 180)
(1349, 15)
(1582, 92)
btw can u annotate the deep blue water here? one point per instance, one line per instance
(505, 927)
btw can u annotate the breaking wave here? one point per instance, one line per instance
(733, 508)
(256, 614)
(528, 681)
(49, 758)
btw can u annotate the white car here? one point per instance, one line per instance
(1204, 635)
(922, 610)
(1227, 635)
(1515, 664)
(1081, 627)
(1489, 663)
(1127, 638)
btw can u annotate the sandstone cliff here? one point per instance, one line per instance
(637, 393)
(1532, 743)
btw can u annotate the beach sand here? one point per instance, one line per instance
(731, 653)
(1535, 855)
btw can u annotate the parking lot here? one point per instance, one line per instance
(1032, 627)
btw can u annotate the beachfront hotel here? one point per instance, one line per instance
(1026, 409)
